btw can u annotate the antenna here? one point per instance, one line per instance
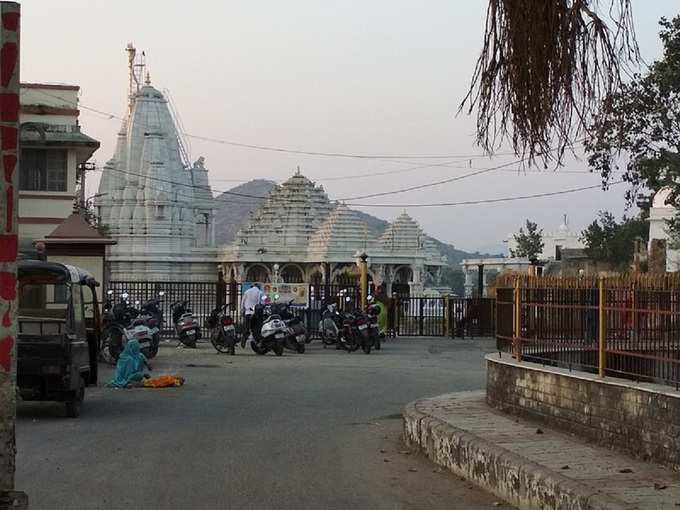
(136, 67)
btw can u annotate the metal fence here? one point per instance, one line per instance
(619, 326)
(408, 316)
(204, 297)
(445, 316)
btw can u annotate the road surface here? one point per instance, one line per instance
(318, 430)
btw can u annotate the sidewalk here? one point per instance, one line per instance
(529, 465)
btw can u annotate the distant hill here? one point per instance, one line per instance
(234, 211)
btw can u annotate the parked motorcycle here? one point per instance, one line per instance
(222, 330)
(152, 313)
(269, 330)
(335, 328)
(187, 328)
(115, 319)
(373, 326)
(358, 324)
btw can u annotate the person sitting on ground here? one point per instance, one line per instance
(130, 366)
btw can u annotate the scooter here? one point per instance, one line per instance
(186, 326)
(222, 330)
(141, 329)
(269, 330)
(335, 328)
(151, 311)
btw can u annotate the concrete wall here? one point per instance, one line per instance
(640, 419)
(92, 264)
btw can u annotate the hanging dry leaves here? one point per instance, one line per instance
(544, 68)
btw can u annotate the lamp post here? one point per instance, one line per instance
(363, 271)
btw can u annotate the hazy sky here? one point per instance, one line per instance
(364, 77)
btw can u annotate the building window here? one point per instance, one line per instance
(43, 170)
(160, 212)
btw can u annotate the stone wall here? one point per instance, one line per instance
(640, 419)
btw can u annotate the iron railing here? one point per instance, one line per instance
(618, 326)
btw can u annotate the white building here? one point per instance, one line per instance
(553, 242)
(155, 204)
(52, 148)
(660, 212)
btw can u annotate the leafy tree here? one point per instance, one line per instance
(612, 242)
(642, 122)
(529, 243)
(454, 278)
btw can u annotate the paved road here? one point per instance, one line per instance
(319, 430)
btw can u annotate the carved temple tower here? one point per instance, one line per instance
(157, 206)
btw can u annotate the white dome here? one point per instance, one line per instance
(661, 197)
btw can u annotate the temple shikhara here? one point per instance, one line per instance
(299, 235)
(156, 205)
(160, 209)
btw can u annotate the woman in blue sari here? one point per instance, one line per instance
(130, 366)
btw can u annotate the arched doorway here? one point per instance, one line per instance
(316, 278)
(400, 285)
(257, 273)
(291, 274)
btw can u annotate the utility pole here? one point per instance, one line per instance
(83, 168)
(9, 198)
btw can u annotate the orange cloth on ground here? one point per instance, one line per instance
(164, 381)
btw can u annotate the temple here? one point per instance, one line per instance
(156, 205)
(300, 236)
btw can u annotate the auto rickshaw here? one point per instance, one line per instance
(59, 333)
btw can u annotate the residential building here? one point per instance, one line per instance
(52, 149)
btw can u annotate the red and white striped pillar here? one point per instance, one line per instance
(9, 195)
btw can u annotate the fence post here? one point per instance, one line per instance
(517, 321)
(602, 317)
(447, 316)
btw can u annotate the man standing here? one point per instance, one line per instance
(251, 297)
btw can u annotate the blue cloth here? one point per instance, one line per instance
(130, 365)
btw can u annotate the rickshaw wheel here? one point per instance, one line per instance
(73, 406)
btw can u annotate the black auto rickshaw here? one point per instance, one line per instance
(59, 333)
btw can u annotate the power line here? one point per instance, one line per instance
(491, 200)
(432, 184)
(260, 147)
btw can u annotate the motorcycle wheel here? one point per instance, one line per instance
(326, 339)
(366, 346)
(301, 348)
(114, 343)
(155, 343)
(278, 348)
(222, 343)
(188, 342)
(256, 349)
(377, 343)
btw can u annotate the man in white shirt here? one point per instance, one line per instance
(251, 297)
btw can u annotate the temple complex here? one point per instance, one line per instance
(156, 205)
(300, 236)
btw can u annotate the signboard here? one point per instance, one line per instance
(298, 293)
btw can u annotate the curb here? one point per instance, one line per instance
(516, 480)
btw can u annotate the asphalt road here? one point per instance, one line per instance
(319, 430)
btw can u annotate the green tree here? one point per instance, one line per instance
(529, 243)
(642, 123)
(612, 242)
(454, 278)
